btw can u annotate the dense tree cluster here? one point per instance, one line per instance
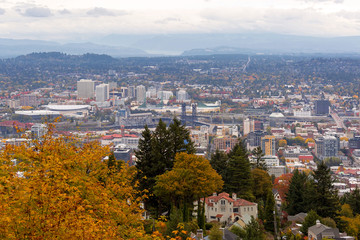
(60, 189)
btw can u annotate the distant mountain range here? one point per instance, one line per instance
(12, 48)
(189, 44)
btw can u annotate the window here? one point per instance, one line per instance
(251, 208)
(215, 209)
(213, 217)
(222, 202)
(222, 209)
(212, 209)
(244, 209)
(236, 209)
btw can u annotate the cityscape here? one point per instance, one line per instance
(192, 120)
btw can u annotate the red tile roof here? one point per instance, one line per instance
(238, 202)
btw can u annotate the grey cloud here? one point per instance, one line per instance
(2, 11)
(104, 12)
(37, 12)
(168, 20)
(64, 11)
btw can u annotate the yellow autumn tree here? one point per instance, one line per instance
(309, 140)
(62, 189)
(282, 143)
(191, 178)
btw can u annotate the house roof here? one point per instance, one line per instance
(319, 228)
(237, 203)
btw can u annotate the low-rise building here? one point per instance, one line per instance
(223, 208)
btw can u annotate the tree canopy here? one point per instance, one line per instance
(191, 178)
(62, 189)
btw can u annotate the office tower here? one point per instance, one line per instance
(28, 100)
(252, 125)
(164, 95)
(112, 85)
(182, 95)
(327, 146)
(131, 92)
(85, 88)
(102, 92)
(247, 126)
(268, 145)
(322, 107)
(140, 94)
(254, 138)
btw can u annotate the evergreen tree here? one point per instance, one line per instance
(253, 231)
(269, 212)
(326, 201)
(156, 153)
(258, 155)
(354, 201)
(219, 162)
(310, 220)
(239, 173)
(162, 147)
(176, 217)
(295, 197)
(148, 168)
(180, 140)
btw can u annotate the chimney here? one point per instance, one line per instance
(122, 130)
(214, 194)
(199, 234)
(234, 196)
(318, 223)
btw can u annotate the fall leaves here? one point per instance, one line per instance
(67, 192)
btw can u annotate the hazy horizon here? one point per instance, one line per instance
(81, 21)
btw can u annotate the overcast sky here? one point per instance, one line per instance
(64, 20)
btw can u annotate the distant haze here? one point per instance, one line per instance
(128, 28)
(83, 20)
(188, 44)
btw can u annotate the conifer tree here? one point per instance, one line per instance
(295, 197)
(269, 212)
(354, 201)
(219, 162)
(239, 173)
(258, 155)
(156, 153)
(326, 201)
(310, 220)
(180, 139)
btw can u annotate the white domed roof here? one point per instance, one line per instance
(276, 115)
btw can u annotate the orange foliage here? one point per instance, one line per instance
(61, 189)
(282, 184)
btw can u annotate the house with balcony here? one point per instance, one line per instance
(223, 208)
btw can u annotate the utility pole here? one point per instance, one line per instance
(275, 222)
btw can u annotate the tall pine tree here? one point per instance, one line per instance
(326, 200)
(269, 212)
(219, 162)
(238, 178)
(156, 153)
(258, 155)
(296, 198)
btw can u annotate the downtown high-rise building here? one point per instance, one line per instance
(268, 145)
(102, 92)
(141, 94)
(85, 89)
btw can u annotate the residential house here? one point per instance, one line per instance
(320, 231)
(223, 208)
